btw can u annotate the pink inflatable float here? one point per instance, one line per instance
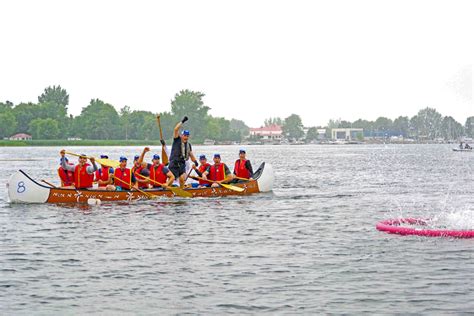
(392, 226)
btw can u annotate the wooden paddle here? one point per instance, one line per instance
(245, 179)
(148, 195)
(227, 186)
(48, 183)
(175, 190)
(164, 155)
(105, 162)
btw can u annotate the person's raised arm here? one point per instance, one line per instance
(93, 168)
(142, 156)
(64, 165)
(177, 127)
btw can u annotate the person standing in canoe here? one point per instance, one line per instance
(124, 179)
(202, 168)
(103, 176)
(181, 151)
(243, 167)
(158, 172)
(83, 172)
(66, 176)
(218, 172)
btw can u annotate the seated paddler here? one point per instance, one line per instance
(123, 177)
(218, 172)
(159, 174)
(83, 171)
(103, 176)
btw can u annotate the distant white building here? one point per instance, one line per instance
(267, 133)
(346, 133)
(21, 136)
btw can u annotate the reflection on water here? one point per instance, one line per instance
(309, 247)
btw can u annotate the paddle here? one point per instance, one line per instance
(245, 179)
(227, 186)
(164, 155)
(175, 190)
(50, 184)
(148, 195)
(105, 162)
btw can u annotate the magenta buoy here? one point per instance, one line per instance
(392, 226)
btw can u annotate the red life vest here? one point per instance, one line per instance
(157, 175)
(240, 170)
(139, 176)
(66, 176)
(82, 179)
(201, 169)
(125, 177)
(217, 172)
(102, 174)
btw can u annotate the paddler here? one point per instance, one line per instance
(139, 168)
(243, 167)
(83, 172)
(66, 176)
(181, 151)
(124, 179)
(218, 172)
(203, 166)
(103, 176)
(158, 172)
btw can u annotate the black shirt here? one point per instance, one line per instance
(176, 155)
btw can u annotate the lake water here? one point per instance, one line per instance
(309, 247)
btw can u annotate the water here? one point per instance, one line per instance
(310, 247)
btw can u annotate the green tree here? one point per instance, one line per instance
(239, 127)
(24, 114)
(44, 128)
(55, 94)
(7, 123)
(98, 120)
(427, 123)
(273, 121)
(312, 134)
(383, 125)
(293, 127)
(401, 126)
(189, 103)
(469, 126)
(451, 129)
(125, 121)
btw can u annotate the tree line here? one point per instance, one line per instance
(426, 124)
(49, 119)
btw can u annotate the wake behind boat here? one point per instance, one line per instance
(23, 189)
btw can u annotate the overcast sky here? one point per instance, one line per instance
(253, 59)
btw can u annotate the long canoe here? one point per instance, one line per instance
(23, 189)
(464, 149)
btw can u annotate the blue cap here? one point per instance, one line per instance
(202, 157)
(156, 156)
(217, 155)
(185, 132)
(123, 158)
(242, 151)
(136, 157)
(104, 157)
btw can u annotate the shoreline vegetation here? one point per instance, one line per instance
(48, 123)
(131, 143)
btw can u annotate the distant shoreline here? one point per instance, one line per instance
(69, 143)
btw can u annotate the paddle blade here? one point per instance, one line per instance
(233, 187)
(108, 162)
(164, 155)
(180, 192)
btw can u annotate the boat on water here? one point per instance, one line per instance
(24, 189)
(464, 149)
